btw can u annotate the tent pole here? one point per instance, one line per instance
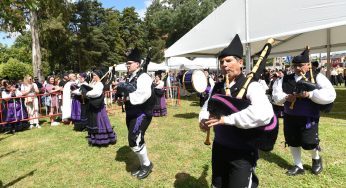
(248, 58)
(329, 65)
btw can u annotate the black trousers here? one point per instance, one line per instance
(137, 126)
(233, 168)
(301, 131)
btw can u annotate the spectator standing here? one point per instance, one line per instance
(51, 99)
(30, 89)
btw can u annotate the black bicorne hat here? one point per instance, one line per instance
(134, 55)
(303, 57)
(235, 48)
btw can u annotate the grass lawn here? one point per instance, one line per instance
(61, 157)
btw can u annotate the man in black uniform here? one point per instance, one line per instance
(234, 158)
(302, 110)
(138, 93)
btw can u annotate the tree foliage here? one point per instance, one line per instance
(82, 35)
(15, 70)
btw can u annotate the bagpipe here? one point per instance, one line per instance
(263, 137)
(303, 85)
(124, 88)
(307, 86)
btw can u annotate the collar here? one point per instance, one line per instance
(134, 74)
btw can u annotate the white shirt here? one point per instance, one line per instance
(96, 91)
(6, 94)
(325, 93)
(160, 85)
(259, 113)
(143, 91)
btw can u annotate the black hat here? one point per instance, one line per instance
(134, 55)
(99, 73)
(303, 57)
(83, 74)
(235, 48)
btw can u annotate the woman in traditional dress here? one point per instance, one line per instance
(79, 104)
(160, 100)
(100, 131)
(15, 109)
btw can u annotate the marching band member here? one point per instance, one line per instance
(233, 159)
(79, 104)
(138, 106)
(160, 108)
(99, 128)
(302, 111)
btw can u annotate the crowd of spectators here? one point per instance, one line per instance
(24, 101)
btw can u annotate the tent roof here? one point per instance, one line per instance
(293, 23)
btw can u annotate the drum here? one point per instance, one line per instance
(195, 80)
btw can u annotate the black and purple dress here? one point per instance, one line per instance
(100, 131)
(160, 108)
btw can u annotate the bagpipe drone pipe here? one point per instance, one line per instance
(263, 137)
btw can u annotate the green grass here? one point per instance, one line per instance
(61, 157)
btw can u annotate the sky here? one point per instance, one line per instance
(140, 6)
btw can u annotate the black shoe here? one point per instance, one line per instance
(136, 172)
(316, 167)
(296, 170)
(145, 171)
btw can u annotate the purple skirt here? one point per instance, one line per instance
(15, 112)
(160, 109)
(105, 134)
(76, 110)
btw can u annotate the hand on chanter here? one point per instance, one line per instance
(303, 94)
(290, 98)
(212, 121)
(203, 126)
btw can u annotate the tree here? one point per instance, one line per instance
(14, 15)
(130, 28)
(168, 20)
(55, 34)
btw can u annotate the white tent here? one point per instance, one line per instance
(206, 62)
(151, 67)
(121, 67)
(294, 24)
(178, 63)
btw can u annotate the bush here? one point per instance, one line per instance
(15, 70)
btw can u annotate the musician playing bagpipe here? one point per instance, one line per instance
(100, 130)
(304, 94)
(234, 156)
(139, 103)
(79, 104)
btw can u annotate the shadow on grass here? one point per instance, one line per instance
(183, 179)
(274, 158)
(125, 154)
(17, 180)
(189, 115)
(9, 153)
(5, 137)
